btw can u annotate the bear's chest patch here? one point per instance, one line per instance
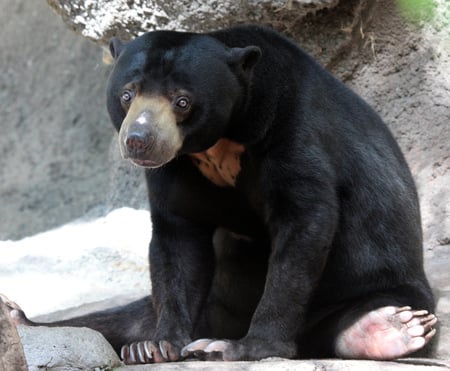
(221, 163)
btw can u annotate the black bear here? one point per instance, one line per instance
(285, 218)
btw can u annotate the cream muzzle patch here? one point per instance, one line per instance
(149, 135)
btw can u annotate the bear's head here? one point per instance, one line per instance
(174, 93)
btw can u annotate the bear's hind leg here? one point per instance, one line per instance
(382, 326)
(386, 333)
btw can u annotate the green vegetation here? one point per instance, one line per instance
(417, 11)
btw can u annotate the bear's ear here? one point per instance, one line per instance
(246, 58)
(115, 47)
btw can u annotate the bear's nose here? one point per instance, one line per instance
(138, 143)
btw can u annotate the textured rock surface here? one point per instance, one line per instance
(59, 140)
(12, 357)
(99, 20)
(285, 365)
(66, 348)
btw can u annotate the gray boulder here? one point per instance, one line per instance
(99, 20)
(66, 348)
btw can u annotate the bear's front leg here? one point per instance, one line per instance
(301, 232)
(181, 265)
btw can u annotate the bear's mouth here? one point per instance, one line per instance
(159, 154)
(146, 163)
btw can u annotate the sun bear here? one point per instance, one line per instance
(285, 219)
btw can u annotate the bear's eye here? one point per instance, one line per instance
(127, 96)
(182, 103)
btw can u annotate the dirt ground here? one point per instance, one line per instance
(58, 155)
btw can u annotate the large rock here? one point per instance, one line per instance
(59, 158)
(12, 357)
(66, 349)
(99, 20)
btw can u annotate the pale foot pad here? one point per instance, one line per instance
(387, 333)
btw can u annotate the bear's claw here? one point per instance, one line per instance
(143, 352)
(206, 349)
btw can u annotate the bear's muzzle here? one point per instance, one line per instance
(149, 135)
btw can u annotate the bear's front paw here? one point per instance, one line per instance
(242, 350)
(207, 349)
(142, 352)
